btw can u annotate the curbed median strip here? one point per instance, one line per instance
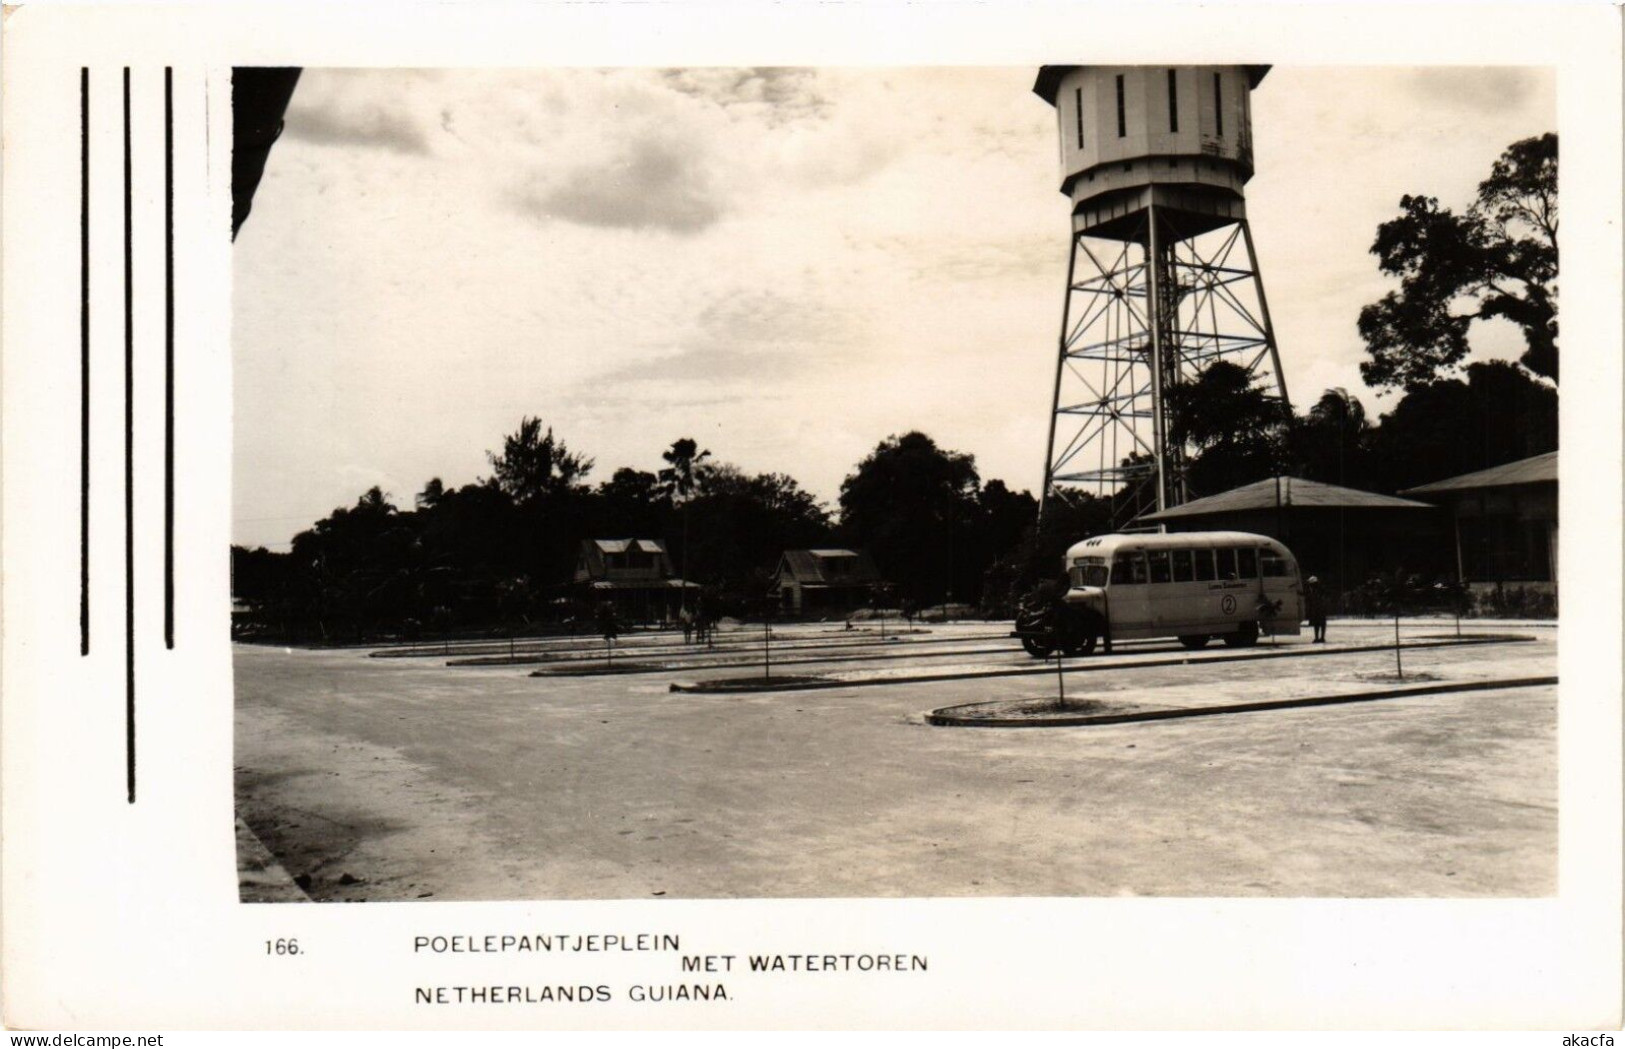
(723, 686)
(946, 716)
(1084, 665)
(598, 670)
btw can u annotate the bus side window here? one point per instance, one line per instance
(1182, 566)
(1204, 565)
(1226, 556)
(1274, 567)
(1158, 560)
(1128, 569)
(1247, 563)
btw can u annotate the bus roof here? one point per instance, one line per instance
(1106, 545)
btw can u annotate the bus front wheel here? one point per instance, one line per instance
(1035, 648)
(1245, 636)
(1194, 640)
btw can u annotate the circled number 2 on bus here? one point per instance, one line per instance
(1228, 604)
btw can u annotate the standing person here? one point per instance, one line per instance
(687, 619)
(609, 622)
(1314, 608)
(702, 619)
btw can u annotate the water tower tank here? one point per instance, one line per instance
(1163, 280)
(1125, 129)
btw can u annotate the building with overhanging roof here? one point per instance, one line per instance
(635, 575)
(1343, 535)
(824, 582)
(1504, 521)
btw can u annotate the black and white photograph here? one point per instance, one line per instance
(783, 517)
(641, 483)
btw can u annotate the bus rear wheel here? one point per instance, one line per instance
(1194, 640)
(1081, 646)
(1246, 636)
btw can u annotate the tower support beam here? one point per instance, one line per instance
(1145, 314)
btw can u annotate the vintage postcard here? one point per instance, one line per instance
(737, 517)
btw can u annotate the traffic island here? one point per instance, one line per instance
(1037, 711)
(989, 714)
(600, 670)
(723, 686)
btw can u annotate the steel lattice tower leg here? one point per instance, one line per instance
(1143, 315)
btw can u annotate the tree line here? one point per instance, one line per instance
(498, 554)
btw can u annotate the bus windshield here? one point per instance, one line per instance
(1089, 571)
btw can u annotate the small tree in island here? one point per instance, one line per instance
(609, 627)
(880, 595)
(767, 606)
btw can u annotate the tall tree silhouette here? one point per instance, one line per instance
(1233, 426)
(1498, 259)
(911, 504)
(533, 464)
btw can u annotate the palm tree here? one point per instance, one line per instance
(686, 468)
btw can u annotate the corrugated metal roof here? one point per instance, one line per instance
(1293, 491)
(801, 565)
(808, 566)
(1538, 469)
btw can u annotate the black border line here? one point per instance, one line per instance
(169, 357)
(129, 462)
(84, 360)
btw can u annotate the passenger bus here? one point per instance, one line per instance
(1195, 586)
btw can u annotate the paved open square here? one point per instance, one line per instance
(393, 776)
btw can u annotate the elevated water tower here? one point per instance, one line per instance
(1163, 279)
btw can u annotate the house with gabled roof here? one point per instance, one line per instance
(635, 575)
(828, 581)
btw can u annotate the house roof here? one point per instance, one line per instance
(1539, 469)
(812, 566)
(621, 546)
(1292, 491)
(592, 563)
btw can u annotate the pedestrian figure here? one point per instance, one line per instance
(704, 619)
(687, 619)
(1314, 608)
(609, 623)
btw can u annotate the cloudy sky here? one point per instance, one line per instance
(787, 265)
